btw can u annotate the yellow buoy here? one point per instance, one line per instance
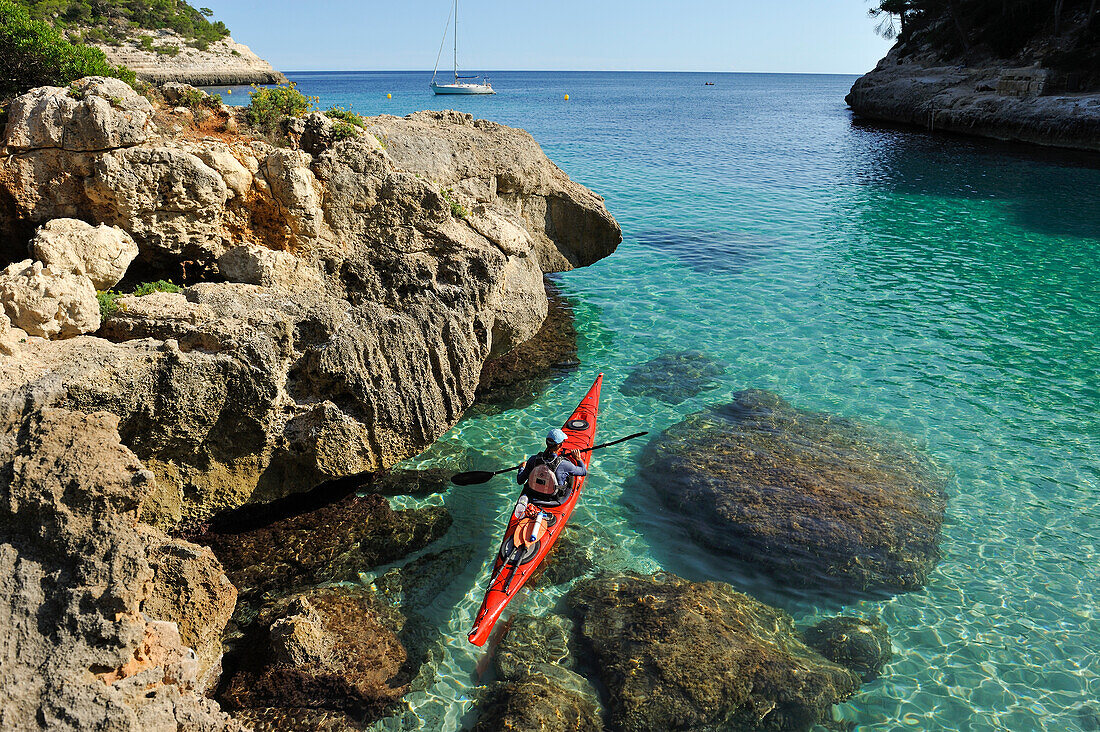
(567, 97)
(228, 91)
(389, 96)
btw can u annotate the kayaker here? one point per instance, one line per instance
(556, 469)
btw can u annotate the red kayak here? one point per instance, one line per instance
(533, 532)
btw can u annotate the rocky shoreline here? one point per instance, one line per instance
(987, 100)
(337, 297)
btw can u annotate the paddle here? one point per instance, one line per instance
(473, 477)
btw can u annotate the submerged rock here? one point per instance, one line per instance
(550, 699)
(282, 719)
(809, 497)
(336, 649)
(516, 379)
(673, 377)
(858, 644)
(573, 555)
(417, 584)
(675, 654)
(532, 641)
(334, 543)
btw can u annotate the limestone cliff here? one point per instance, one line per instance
(222, 62)
(342, 294)
(1017, 73)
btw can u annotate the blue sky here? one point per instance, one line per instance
(823, 36)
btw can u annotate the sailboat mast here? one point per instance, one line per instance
(456, 41)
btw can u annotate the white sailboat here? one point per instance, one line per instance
(461, 84)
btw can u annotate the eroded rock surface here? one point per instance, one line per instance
(675, 654)
(814, 499)
(85, 639)
(101, 253)
(857, 643)
(516, 378)
(373, 281)
(48, 303)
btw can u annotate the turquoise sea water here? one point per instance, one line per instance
(942, 287)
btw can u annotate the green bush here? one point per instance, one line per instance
(116, 16)
(270, 105)
(457, 209)
(346, 115)
(344, 131)
(196, 99)
(35, 54)
(146, 288)
(107, 299)
(167, 49)
(107, 304)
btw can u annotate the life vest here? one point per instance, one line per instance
(543, 478)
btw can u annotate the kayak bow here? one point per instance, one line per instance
(525, 547)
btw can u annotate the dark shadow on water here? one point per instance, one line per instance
(708, 251)
(1050, 190)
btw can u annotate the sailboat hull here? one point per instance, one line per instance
(462, 88)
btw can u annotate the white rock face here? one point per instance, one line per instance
(220, 157)
(259, 266)
(169, 199)
(95, 113)
(46, 303)
(10, 338)
(102, 253)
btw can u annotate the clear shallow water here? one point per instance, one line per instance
(945, 288)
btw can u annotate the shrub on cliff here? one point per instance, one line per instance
(270, 105)
(35, 54)
(117, 20)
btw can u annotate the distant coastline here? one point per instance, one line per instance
(224, 62)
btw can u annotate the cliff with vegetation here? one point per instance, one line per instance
(1018, 70)
(167, 40)
(203, 307)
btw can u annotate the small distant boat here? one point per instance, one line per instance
(708, 83)
(470, 85)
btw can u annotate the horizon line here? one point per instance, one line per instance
(576, 71)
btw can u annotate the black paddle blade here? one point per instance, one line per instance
(472, 477)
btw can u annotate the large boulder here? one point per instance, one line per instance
(549, 699)
(811, 498)
(168, 199)
(516, 378)
(102, 253)
(569, 224)
(92, 114)
(84, 643)
(675, 654)
(48, 303)
(366, 291)
(336, 649)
